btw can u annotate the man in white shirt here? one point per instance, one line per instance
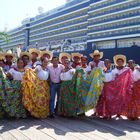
(96, 55)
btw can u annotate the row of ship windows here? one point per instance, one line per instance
(120, 43)
(60, 37)
(104, 4)
(13, 40)
(66, 24)
(12, 44)
(117, 8)
(74, 28)
(115, 25)
(63, 18)
(135, 30)
(118, 16)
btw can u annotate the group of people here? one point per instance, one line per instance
(42, 85)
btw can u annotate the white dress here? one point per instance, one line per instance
(17, 75)
(116, 72)
(42, 74)
(65, 76)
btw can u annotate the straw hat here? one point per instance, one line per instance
(76, 54)
(2, 56)
(64, 54)
(119, 56)
(47, 52)
(96, 52)
(9, 53)
(34, 50)
(25, 54)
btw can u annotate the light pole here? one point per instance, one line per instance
(36, 44)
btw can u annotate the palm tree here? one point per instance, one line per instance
(4, 36)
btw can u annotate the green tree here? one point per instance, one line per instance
(4, 36)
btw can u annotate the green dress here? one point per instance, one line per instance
(91, 89)
(11, 97)
(69, 97)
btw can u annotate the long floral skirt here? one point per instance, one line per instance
(69, 97)
(11, 97)
(36, 95)
(67, 105)
(91, 89)
(133, 107)
(116, 95)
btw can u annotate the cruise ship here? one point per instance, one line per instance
(112, 26)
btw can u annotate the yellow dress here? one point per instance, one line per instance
(36, 94)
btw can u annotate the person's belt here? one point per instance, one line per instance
(55, 83)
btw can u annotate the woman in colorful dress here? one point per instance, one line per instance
(11, 91)
(133, 108)
(36, 93)
(67, 105)
(91, 88)
(118, 92)
(84, 66)
(101, 107)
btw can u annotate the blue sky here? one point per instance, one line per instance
(12, 12)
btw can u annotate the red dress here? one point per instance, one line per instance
(133, 108)
(116, 95)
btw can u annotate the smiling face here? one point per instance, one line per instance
(55, 61)
(45, 62)
(120, 62)
(76, 59)
(131, 64)
(8, 58)
(20, 63)
(25, 59)
(63, 59)
(107, 63)
(34, 56)
(96, 57)
(84, 60)
(66, 63)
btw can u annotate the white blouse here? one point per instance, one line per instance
(65, 76)
(108, 77)
(86, 70)
(17, 75)
(42, 74)
(100, 64)
(116, 72)
(136, 75)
